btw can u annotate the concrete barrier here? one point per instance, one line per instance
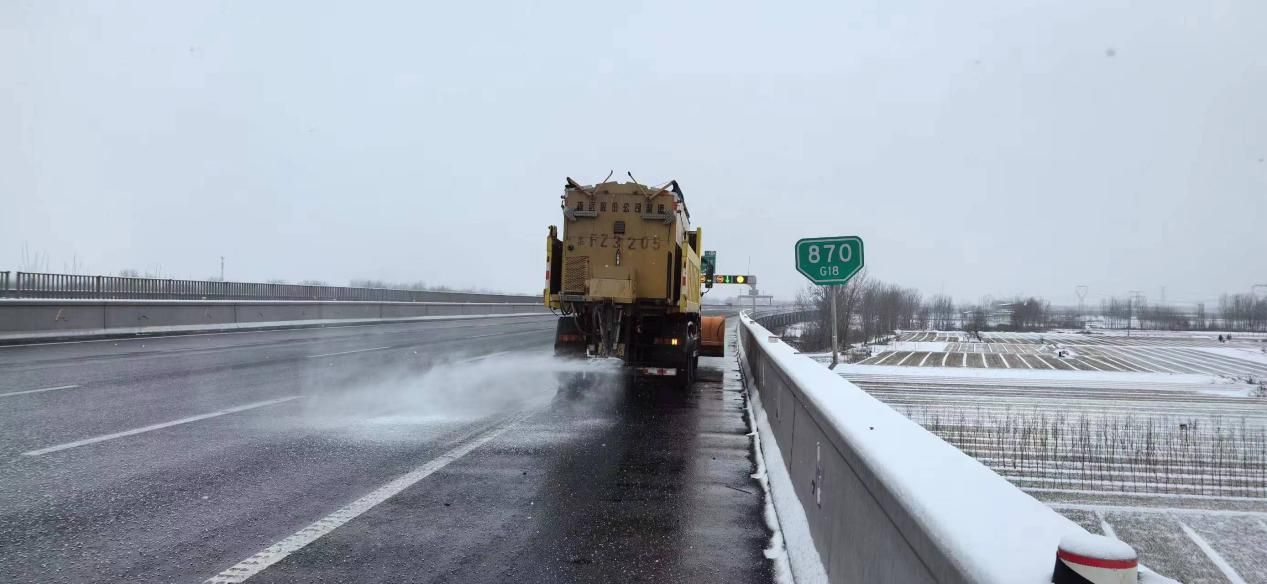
(25, 320)
(884, 499)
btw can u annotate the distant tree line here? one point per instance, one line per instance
(868, 309)
(1235, 312)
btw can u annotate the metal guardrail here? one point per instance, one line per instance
(782, 317)
(44, 285)
(34, 319)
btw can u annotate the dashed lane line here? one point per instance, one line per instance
(255, 564)
(41, 390)
(348, 352)
(143, 429)
(482, 357)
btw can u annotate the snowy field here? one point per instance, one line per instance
(1157, 441)
(1244, 359)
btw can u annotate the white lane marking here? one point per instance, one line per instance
(943, 358)
(276, 552)
(347, 352)
(1223, 566)
(142, 429)
(481, 357)
(42, 390)
(1105, 528)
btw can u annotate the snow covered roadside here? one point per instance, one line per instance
(791, 548)
(1246, 353)
(895, 345)
(981, 524)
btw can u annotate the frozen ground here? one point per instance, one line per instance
(1244, 359)
(1166, 451)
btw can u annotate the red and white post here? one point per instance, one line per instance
(1086, 558)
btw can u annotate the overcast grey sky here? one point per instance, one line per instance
(978, 148)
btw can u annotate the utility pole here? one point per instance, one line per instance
(1130, 309)
(221, 268)
(1081, 290)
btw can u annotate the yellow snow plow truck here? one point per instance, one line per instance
(625, 278)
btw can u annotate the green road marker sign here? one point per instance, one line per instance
(829, 261)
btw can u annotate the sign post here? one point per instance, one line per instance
(830, 261)
(835, 341)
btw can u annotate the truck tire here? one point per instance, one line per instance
(691, 362)
(687, 377)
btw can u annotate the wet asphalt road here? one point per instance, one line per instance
(175, 459)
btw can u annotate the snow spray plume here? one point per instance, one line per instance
(454, 391)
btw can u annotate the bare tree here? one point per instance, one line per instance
(942, 311)
(33, 261)
(1029, 314)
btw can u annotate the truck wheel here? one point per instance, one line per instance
(688, 369)
(686, 376)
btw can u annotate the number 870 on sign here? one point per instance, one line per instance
(829, 260)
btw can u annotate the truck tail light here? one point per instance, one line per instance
(569, 338)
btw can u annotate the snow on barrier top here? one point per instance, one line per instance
(901, 504)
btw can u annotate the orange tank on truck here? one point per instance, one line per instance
(624, 275)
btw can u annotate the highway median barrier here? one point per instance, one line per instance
(40, 320)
